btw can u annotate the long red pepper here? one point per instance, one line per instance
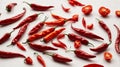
(40, 60)
(12, 19)
(106, 28)
(38, 27)
(37, 7)
(84, 22)
(20, 46)
(10, 6)
(74, 37)
(117, 41)
(40, 34)
(93, 65)
(40, 48)
(5, 37)
(86, 33)
(52, 35)
(100, 48)
(20, 34)
(59, 22)
(28, 60)
(5, 54)
(56, 16)
(58, 57)
(29, 19)
(82, 54)
(77, 3)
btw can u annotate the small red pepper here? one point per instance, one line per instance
(58, 58)
(103, 11)
(38, 27)
(77, 3)
(57, 17)
(37, 7)
(86, 33)
(52, 35)
(10, 6)
(40, 60)
(20, 46)
(74, 18)
(107, 56)
(65, 9)
(28, 61)
(87, 9)
(93, 65)
(71, 2)
(5, 54)
(84, 22)
(13, 19)
(117, 13)
(77, 44)
(100, 48)
(90, 26)
(117, 41)
(29, 19)
(5, 37)
(40, 48)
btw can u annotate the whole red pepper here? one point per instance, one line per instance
(52, 35)
(40, 34)
(5, 54)
(100, 48)
(36, 28)
(77, 3)
(40, 60)
(106, 28)
(12, 19)
(28, 60)
(86, 33)
(84, 22)
(74, 18)
(40, 48)
(37, 7)
(20, 46)
(117, 41)
(65, 9)
(71, 2)
(56, 16)
(10, 6)
(58, 58)
(20, 34)
(29, 19)
(5, 37)
(93, 65)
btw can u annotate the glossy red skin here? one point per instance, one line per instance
(77, 44)
(4, 38)
(103, 11)
(87, 9)
(107, 56)
(93, 65)
(28, 61)
(20, 46)
(41, 61)
(117, 12)
(84, 22)
(90, 26)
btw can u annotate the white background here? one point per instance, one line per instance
(77, 62)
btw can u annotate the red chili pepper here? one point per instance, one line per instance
(38, 27)
(107, 56)
(71, 2)
(84, 22)
(10, 6)
(117, 41)
(77, 44)
(106, 28)
(74, 37)
(5, 37)
(29, 19)
(40, 60)
(86, 33)
(59, 44)
(20, 46)
(58, 58)
(117, 12)
(65, 9)
(77, 3)
(40, 34)
(74, 18)
(37, 7)
(93, 65)
(59, 22)
(28, 61)
(20, 34)
(40, 48)
(87, 9)
(103, 11)
(52, 35)
(100, 48)
(82, 54)
(12, 19)
(56, 16)
(5, 54)
(90, 26)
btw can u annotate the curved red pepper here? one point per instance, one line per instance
(83, 22)
(65, 9)
(12, 19)
(20, 46)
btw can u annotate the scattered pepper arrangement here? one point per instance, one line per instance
(78, 36)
